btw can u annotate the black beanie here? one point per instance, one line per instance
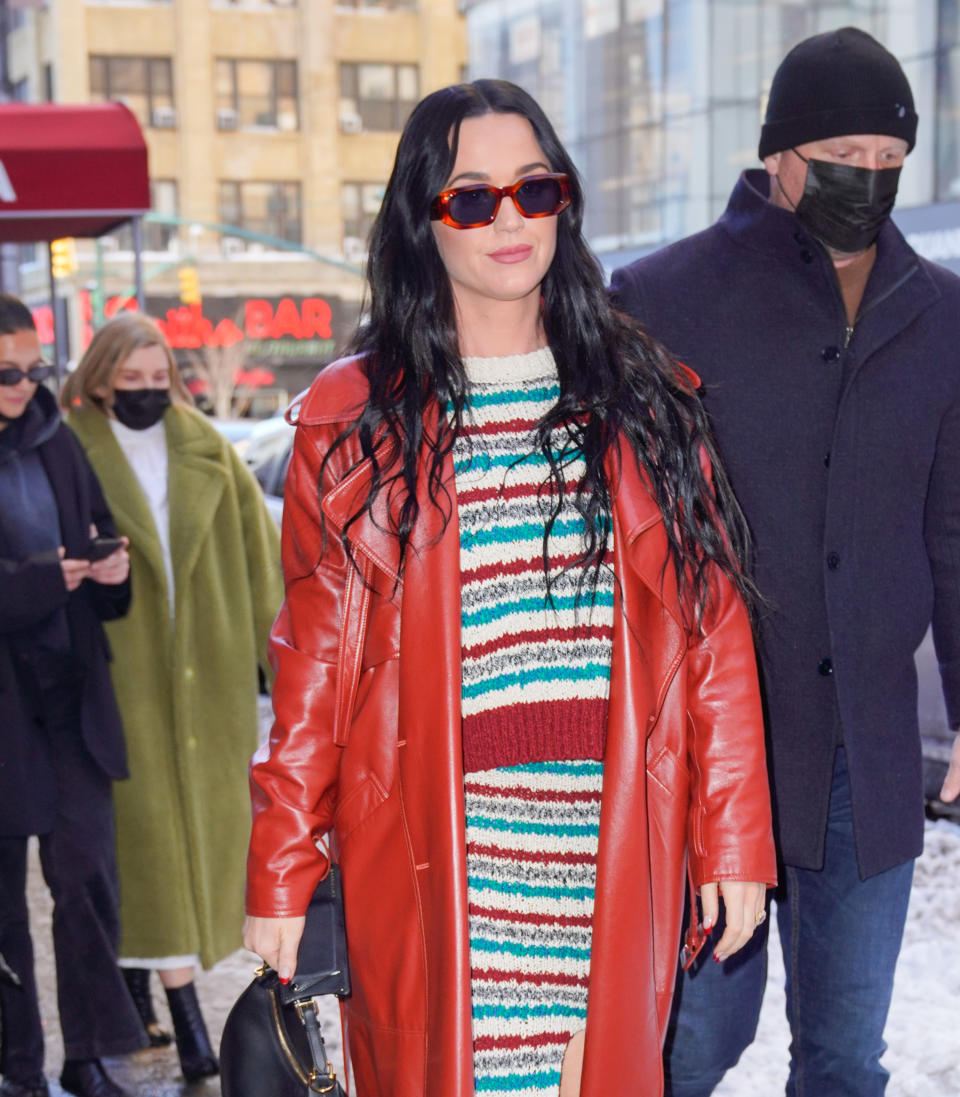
(834, 84)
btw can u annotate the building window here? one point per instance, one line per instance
(156, 237)
(272, 209)
(256, 94)
(377, 97)
(163, 200)
(378, 5)
(360, 204)
(144, 84)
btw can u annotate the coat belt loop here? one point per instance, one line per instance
(353, 630)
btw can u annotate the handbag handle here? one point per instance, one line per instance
(322, 1078)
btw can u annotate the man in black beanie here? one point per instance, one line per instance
(828, 351)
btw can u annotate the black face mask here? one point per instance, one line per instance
(845, 207)
(139, 409)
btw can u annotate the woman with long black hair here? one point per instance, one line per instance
(515, 677)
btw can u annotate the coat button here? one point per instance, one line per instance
(833, 560)
(830, 354)
(806, 255)
(825, 667)
(826, 460)
(799, 237)
(189, 674)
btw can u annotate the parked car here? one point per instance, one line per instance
(236, 431)
(267, 454)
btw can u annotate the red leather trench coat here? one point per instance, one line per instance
(366, 746)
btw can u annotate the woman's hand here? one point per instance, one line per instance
(113, 569)
(74, 571)
(275, 941)
(745, 906)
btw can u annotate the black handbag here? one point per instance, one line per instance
(272, 1043)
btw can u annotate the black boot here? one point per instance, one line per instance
(138, 983)
(87, 1078)
(193, 1043)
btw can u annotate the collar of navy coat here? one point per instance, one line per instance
(752, 221)
(337, 397)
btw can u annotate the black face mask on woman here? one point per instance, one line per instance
(139, 409)
(845, 207)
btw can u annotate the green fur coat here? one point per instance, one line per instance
(187, 689)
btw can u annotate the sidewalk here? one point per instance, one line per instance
(154, 1072)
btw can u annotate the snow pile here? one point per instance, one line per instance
(923, 1031)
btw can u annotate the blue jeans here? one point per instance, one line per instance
(840, 937)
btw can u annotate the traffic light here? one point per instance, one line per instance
(63, 256)
(189, 285)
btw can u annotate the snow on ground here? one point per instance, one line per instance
(923, 1030)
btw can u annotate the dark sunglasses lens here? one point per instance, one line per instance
(13, 376)
(539, 196)
(472, 207)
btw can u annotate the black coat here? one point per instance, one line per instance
(846, 461)
(30, 590)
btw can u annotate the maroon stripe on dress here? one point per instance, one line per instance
(541, 731)
(539, 918)
(513, 1043)
(513, 567)
(535, 856)
(511, 491)
(498, 426)
(540, 796)
(539, 636)
(538, 979)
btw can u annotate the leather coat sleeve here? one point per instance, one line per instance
(730, 823)
(730, 829)
(294, 778)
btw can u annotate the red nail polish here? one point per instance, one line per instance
(284, 981)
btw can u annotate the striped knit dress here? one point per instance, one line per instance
(536, 677)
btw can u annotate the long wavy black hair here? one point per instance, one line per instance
(615, 381)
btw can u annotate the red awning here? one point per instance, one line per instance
(69, 170)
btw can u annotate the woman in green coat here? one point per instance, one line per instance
(206, 586)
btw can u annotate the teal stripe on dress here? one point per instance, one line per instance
(533, 395)
(535, 603)
(589, 672)
(545, 952)
(516, 826)
(576, 768)
(524, 531)
(483, 462)
(523, 1012)
(510, 1083)
(535, 891)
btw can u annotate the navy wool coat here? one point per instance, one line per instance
(30, 590)
(843, 447)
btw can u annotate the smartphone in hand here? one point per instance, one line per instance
(100, 548)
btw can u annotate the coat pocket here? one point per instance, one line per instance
(357, 806)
